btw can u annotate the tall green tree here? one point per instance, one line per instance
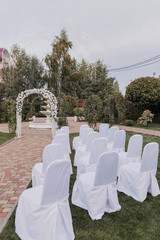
(116, 87)
(101, 84)
(24, 72)
(35, 71)
(94, 80)
(61, 76)
(84, 80)
(93, 110)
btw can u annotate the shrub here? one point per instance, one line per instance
(146, 117)
(144, 92)
(79, 112)
(93, 110)
(110, 111)
(62, 121)
(10, 106)
(133, 110)
(129, 122)
(120, 105)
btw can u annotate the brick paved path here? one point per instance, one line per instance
(16, 161)
(19, 156)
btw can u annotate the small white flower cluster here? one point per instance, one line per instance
(52, 101)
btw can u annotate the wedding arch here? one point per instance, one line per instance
(52, 101)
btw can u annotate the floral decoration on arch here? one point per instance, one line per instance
(52, 101)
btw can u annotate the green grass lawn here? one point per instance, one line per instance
(135, 221)
(4, 137)
(151, 126)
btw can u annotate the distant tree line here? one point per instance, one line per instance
(75, 82)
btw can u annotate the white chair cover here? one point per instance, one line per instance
(62, 131)
(96, 191)
(66, 132)
(136, 179)
(51, 153)
(62, 139)
(83, 149)
(104, 129)
(91, 136)
(111, 134)
(88, 162)
(43, 212)
(84, 133)
(118, 144)
(134, 151)
(77, 139)
(66, 128)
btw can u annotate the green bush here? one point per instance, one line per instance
(79, 112)
(110, 112)
(10, 113)
(133, 110)
(93, 110)
(70, 107)
(40, 115)
(62, 121)
(144, 92)
(129, 122)
(120, 104)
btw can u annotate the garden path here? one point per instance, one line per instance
(18, 156)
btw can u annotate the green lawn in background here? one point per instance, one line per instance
(135, 220)
(5, 137)
(151, 126)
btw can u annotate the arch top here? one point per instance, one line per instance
(52, 101)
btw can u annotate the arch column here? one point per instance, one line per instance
(19, 122)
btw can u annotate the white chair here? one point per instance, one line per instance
(136, 179)
(77, 139)
(83, 138)
(90, 137)
(66, 128)
(118, 144)
(111, 133)
(43, 212)
(83, 149)
(62, 139)
(66, 132)
(96, 191)
(103, 129)
(88, 162)
(51, 153)
(134, 151)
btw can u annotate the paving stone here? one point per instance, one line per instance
(6, 210)
(16, 161)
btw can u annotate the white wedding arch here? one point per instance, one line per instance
(52, 101)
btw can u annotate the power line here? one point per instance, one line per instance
(144, 63)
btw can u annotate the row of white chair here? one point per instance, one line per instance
(95, 188)
(95, 191)
(58, 149)
(43, 211)
(88, 151)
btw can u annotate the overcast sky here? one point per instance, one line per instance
(118, 32)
